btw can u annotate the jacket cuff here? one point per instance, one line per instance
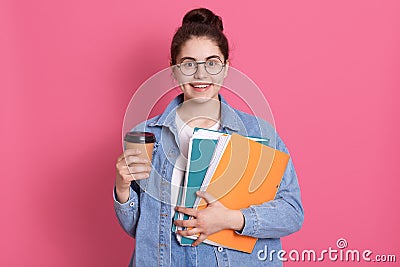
(129, 206)
(250, 222)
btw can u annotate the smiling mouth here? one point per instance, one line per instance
(200, 87)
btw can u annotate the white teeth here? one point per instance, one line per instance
(201, 86)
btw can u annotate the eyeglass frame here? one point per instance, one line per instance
(200, 62)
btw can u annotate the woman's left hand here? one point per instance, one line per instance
(214, 218)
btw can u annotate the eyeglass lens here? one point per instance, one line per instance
(213, 66)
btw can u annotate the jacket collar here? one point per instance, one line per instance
(229, 118)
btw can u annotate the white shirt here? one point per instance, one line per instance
(185, 132)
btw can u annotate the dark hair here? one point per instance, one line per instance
(200, 22)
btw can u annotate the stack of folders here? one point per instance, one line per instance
(238, 171)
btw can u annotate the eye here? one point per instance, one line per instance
(188, 64)
(211, 63)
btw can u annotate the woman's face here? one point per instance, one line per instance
(200, 86)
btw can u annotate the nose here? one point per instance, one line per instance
(201, 71)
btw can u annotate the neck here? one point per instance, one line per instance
(200, 114)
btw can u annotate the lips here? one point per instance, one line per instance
(200, 87)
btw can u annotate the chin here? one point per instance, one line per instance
(200, 99)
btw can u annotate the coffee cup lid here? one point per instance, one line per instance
(140, 137)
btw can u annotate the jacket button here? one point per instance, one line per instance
(132, 204)
(220, 249)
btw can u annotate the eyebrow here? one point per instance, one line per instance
(192, 58)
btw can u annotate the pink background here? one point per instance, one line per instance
(330, 70)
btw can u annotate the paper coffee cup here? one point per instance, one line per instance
(144, 141)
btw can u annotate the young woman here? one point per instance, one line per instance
(200, 61)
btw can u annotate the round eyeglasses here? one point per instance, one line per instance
(189, 67)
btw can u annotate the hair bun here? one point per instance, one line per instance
(203, 16)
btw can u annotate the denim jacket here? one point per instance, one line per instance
(147, 217)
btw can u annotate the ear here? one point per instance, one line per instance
(176, 74)
(174, 70)
(226, 68)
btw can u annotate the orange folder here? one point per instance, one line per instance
(248, 173)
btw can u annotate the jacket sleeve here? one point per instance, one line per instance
(128, 212)
(279, 217)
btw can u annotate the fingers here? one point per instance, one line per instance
(138, 172)
(137, 168)
(200, 239)
(135, 160)
(207, 196)
(189, 232)
(132, 167)
(129, 152)
(186, 223)
(130, 161)
(137, 176)
(188, 211)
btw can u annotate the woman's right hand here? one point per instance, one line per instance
(130, 167)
